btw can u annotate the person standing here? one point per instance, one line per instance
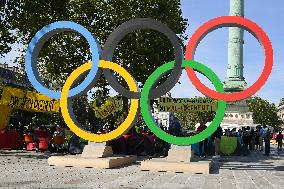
(266, 137)
(256, 139)
(175, 127)
(239, 150)
(252, 139)
(217, 141)
(203, 143)
(261, 134)
(279, 140)
(247, 137)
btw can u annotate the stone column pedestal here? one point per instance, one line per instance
(95, 155)
(180, 154)
(179, 159)
(97, 150)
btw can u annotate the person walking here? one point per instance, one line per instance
(279, 140)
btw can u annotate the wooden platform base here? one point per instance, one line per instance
(162, 164)
(79, 161)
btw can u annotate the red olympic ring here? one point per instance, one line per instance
(226, 21)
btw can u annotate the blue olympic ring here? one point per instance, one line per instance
(38, 41)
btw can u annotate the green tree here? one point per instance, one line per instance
(7, 12)
(139, 52)
(264, 112)
(188, 120)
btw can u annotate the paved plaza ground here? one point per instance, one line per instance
(30, 170)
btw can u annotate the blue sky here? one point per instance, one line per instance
(212, 51)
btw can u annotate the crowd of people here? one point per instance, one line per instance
(144, 142)
(248, 139)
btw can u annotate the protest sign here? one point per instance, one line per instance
(112, 105)
(167, 104)
(27, 100)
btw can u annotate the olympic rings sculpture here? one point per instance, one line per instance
(103, 65)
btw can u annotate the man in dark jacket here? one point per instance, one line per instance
(175, 127)
(203, 143)
(217, 141)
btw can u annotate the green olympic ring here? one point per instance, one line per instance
(144, 103)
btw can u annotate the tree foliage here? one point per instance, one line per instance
(139, 52)
(7, 12)
(264, 112)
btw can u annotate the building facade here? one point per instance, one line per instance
(11, 76)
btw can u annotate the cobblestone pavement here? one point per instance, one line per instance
(30, 170)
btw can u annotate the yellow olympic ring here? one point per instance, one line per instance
(120, 129)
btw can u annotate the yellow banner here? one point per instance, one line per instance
(111, 106)
(5, 112)
(27, 100)
(167, 104)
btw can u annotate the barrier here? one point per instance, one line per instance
(228, 145)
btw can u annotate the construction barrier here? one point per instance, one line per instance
(228, 145)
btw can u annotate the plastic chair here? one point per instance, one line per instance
(30, 143)
(28, 138)
(58, 140)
